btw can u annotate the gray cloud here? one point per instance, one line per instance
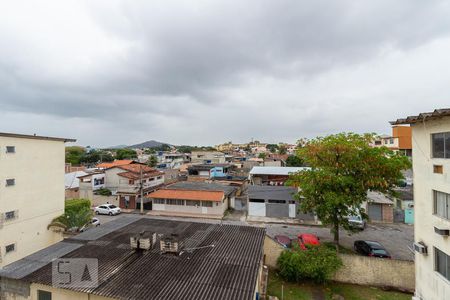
(210, 71)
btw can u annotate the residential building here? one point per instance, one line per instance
(90, 183)
(275, 202)
(193, 199)
(400, 140)
(379, 207)
(272, 175)
(207, 157)
(142, 258)
(210, 170)
(72, 184)
(125, 182)
(31, 194)
(431, 166)
(171, 160)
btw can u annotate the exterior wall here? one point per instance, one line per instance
(86, 191)
(99, 200)
(429, 284)
(203, 156)
(273, 163)
(218, 208)
(359, 269)
(388, 213)
(116, 183)
(72, 194)
(38, 194)
(404, 135)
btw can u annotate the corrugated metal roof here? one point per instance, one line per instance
(276, 170)
(377, 197)
(71, 179)
(229, 270)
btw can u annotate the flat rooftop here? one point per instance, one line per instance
(276, 170)
(229, 270)
(36, 137)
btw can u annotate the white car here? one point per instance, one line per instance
(107, 209)
(95, 222)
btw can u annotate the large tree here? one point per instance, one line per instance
(343, 168)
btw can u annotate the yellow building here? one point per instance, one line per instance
(31, 193)
(431, 165)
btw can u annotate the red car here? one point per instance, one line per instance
(305, 239)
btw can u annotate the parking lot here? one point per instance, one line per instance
(396, 238)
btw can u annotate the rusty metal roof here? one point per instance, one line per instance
(229, 270)
(437, 113)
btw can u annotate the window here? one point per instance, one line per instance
(277, 201)
(159, 177)
(10, 149)
(440, 143)
(10, 215)
(207, 204)
(159, 201)
(10, 248)
(44, 295)
(257, 200)
(391, 141)
(175, 202)
(442, 204)
(438, 169)
(442, 263)
(192, 203)
(130, 181)
(10, 182)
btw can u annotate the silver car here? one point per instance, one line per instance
(357, 222)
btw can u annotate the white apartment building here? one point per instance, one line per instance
(431, 166)
(31, 193)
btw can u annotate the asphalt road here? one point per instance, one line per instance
(396, 238)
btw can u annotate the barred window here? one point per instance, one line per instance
(175, 202)
(207, 204)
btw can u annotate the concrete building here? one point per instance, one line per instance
(193, 199)
(207, 157)
(379, 208)
(125, 182)
(142, 258)
(90, 183)
(72, 184)
(272, 175)
(431, 165)
(400, 140)
(171, 160)
(31, 193)
(210, 170)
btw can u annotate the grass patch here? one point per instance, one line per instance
(304, 291)
(342, 249)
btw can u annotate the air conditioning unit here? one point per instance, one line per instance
(443, 232)
(143, 241)
(421, 248)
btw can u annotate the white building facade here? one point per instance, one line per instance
(31, 193)
(431, 166)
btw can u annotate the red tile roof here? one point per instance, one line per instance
(216, 196)
(115, 163)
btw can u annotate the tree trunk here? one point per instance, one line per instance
(336, 235)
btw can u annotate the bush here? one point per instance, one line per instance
(316, 263)
(103, 192)
(77, 213)
(76, 205)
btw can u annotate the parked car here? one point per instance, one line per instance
(285, 241)
(306, 239)
(107, 209)
(357, 222)
(95, 222)
(370, 248)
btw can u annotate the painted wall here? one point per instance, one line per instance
(429, 284)
(37, 196)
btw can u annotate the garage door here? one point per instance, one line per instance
(375, 212)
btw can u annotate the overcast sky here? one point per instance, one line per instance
(205, 72)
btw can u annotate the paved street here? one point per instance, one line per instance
(395, 237)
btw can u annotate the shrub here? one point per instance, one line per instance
(103, 192)
(315, 263)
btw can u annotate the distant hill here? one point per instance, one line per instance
(117, 147)
(148, 144)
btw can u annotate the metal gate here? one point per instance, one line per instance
(375, 212)
(399, 215)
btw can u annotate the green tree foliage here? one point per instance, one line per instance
(103, 192)
(163, 147)
(77, 213)
(189, 149)
(152, 161)
(74, 154)
(343, 168)
(317, 263)
(262, 155)
(126, 154)
(272, 148)
(282, 149)
(96, 156)
(294, 161)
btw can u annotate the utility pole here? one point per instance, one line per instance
(142, 190)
